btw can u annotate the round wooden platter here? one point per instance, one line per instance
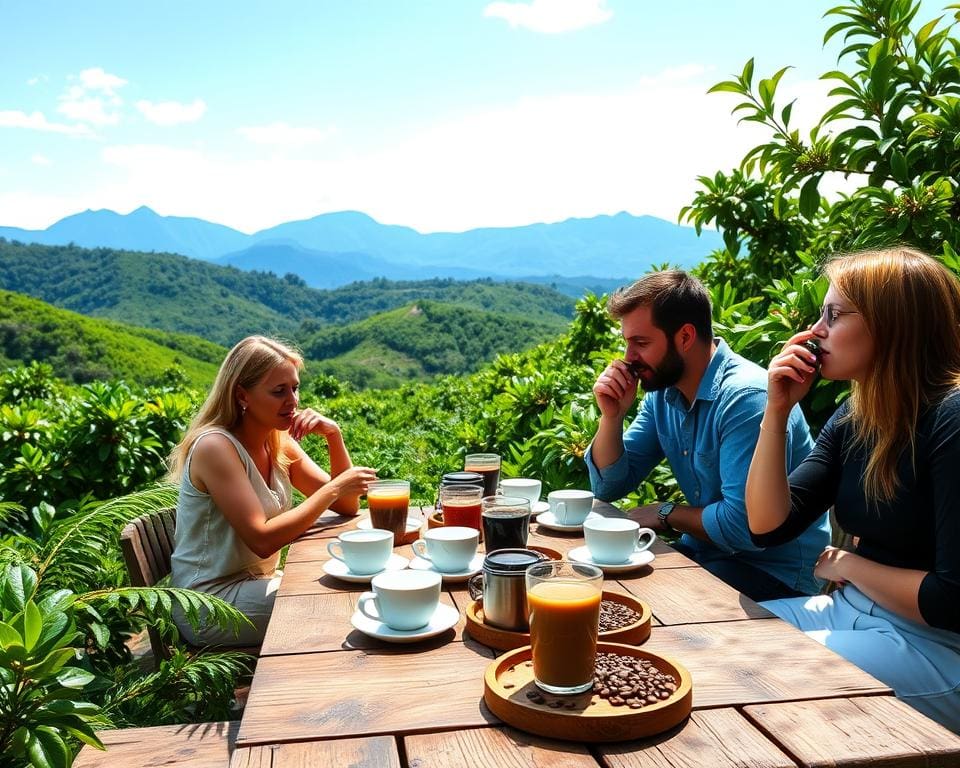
(585, 717)
(505, 640)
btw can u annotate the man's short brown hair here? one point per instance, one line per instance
(675, 298)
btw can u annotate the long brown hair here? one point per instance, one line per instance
(910, 303)
(245, 365)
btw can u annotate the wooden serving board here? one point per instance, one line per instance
(505, 640)
(509, 678)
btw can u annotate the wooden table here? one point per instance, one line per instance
(764, 694)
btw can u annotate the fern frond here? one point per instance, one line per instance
(157, 603)
(79, 544)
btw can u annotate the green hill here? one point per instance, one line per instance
(223, 304)
(81, 349)
(420, 340)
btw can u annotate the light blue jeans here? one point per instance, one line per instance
(920, 663)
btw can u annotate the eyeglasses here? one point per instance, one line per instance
(831, 314)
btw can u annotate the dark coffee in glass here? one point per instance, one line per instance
(487, 465)
(505, 521)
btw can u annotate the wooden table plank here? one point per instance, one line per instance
(203, 745)
(754, 662)
(320, 623)
(306, 577)
(874, 731)
(360, 693)
(691, 595)
(719, 738)
(498, 746)
(374, 752)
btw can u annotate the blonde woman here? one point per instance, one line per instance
(235, 466)
(888, 461)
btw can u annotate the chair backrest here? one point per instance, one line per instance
(147, 543)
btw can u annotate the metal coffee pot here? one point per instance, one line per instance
(503, 587)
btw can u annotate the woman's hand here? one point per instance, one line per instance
(830, 565)
(353, 481)
(308, 421)
(791, 374)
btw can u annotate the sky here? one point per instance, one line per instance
(441, 115)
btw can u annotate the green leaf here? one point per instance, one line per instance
(810, 197)
(18, 586)
(46, 748)
(747, 75)
(9, 636)
(898, 167)
(32, 625)
(74, 677)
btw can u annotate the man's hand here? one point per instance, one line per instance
(615, 390)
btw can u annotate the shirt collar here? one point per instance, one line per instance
(709, 387)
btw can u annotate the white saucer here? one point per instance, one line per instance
(413, 523)
(445, 617)
(637, 559)
(548, 520)
(422, 564)
(539, 507)
(338, 569)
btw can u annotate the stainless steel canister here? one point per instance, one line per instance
(503, 588)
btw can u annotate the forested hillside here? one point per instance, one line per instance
(224, 304)
(421, 340)
(82, 349)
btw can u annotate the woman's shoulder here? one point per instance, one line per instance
(216, 446)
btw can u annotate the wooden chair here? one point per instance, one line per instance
(147, 544)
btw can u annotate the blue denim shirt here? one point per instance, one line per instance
(709, 446)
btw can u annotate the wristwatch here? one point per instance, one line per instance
(663, 513)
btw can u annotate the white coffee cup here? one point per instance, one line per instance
(570, 507)
(525, 487)
(363, 552)
(403, 600)
(450, 549)
(615, 540)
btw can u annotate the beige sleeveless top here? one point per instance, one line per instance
(208, 554)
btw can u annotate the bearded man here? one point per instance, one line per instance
(701, 411)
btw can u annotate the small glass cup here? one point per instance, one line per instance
(488, 466)
(563, 599)
(506, 522)
(389, 504)
(461, 505)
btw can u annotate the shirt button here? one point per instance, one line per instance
(685, 452)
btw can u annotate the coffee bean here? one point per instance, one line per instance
(626, 680)
(614, 615)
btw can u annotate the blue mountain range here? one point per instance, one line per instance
(334, 249)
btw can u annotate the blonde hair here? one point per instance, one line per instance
(911, 306)
(245, 365)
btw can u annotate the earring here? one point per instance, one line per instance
(243, 409)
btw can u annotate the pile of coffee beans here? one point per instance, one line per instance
(631, 682)
(615, 615)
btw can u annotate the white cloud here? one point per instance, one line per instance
(95, 79)
(95, 100)
(282, 134)
(41, 160)
(172, 112)
(551, 17)
(37, 121)
(38, 79)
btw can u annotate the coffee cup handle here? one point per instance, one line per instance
(645, 539)
(420, 549)
(475, 586)
(338, 555)
(364, 600)
(561, 511)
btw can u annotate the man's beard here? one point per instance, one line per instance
(668, 373)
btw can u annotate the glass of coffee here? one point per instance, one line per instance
(506, 522)
(389, 503)
(488, 466)
(563, 599)
(461, 505)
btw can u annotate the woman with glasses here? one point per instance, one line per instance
(888, 461)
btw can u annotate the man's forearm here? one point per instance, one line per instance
(608, 442)
(688, 520)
